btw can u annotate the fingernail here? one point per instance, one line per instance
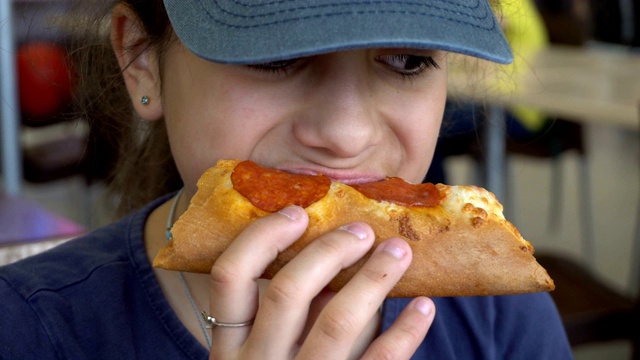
(393, 249)
(423, 305)
(357, 229)
(291, 212)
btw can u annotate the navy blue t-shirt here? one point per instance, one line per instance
(96, 297)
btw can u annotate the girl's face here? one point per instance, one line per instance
(355, 116)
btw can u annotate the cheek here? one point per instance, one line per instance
(210, 122)
(421, 142)
(417, 130)
(192, 115)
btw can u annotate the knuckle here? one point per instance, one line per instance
(282, 290)
(383, 353)
(405, 340)
(409, 335)
(223, 275)
(338, 325)
(376, 275)
(415, 333)
(329, 246)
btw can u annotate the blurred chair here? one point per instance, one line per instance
(56, 159)
(560, 137)
(71, 155)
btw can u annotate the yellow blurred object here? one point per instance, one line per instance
(525, 30)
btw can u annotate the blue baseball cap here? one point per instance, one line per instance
(259, 31)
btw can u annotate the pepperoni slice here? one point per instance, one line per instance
(400, 192)
(272, 190)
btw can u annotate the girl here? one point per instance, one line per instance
(351, 89)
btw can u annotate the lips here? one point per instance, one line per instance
(344, 176)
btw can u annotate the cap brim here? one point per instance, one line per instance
(254, 31)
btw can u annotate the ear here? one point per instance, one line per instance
(138, 62)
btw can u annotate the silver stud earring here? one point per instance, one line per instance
(144, 100)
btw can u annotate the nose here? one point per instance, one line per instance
(341, 119)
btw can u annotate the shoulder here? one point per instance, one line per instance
(91, 282)
(76, 260)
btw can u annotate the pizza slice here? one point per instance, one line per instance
(462, 244)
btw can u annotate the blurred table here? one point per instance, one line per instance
(28, 228)
(587, 84)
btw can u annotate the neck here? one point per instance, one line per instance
(172, 287)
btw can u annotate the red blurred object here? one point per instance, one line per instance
(45, 79)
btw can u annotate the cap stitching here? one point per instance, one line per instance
(352, 3)
(347, 4)
(342, 14)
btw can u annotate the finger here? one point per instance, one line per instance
(234, 288)
(404, 336)
(285, 306)
(345, 317)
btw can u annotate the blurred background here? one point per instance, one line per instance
(568, 170)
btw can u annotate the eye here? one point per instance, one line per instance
(281, 66)
(408, 65)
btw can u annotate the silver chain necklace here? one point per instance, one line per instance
(184, 283)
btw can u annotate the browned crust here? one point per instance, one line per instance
(455, 253)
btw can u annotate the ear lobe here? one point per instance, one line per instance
(138, 62)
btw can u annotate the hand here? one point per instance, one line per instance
(291, 321)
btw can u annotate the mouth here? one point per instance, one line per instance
(348, 177)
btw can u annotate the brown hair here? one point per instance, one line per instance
(142, 167)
